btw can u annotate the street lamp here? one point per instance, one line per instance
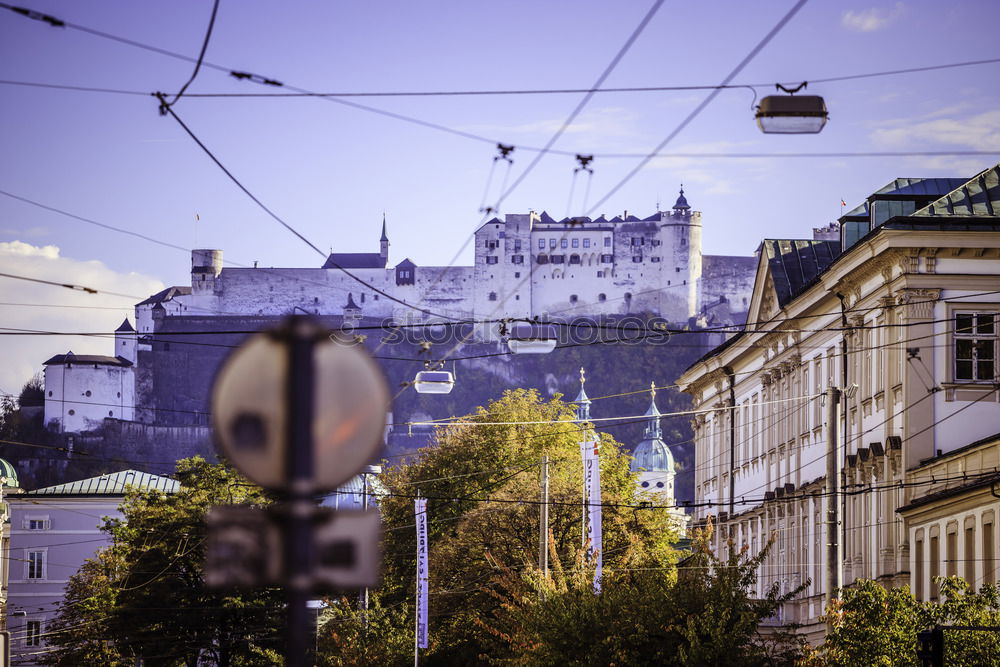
(788, 114)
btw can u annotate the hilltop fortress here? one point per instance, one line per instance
(526, 265)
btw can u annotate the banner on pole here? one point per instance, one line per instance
(420, 514)
(592, 494)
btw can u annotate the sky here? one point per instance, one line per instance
(332, 171)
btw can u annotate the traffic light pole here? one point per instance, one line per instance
(300, 633)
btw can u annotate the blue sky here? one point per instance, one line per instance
(331, 171)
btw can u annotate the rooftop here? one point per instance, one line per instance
(113, 484)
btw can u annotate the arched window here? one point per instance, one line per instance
(602, 297)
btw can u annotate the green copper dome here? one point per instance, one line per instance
(8, 476)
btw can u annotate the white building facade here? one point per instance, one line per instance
(905, 306)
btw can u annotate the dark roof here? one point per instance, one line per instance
(979, 196)
(682, 202)
(545, 217)
(125, 326)
(385, 237)
(907, 188)
(355, 260)
(70, 358)
(406, 264)
(166, 295)
(653, 218)
(795, 263)
(494, 221)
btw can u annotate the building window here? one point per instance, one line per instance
(636, 259)
(541, 244)
(602, 297)
(586, 243)
(600, 274)
(542, 259)
(563, 243)
(654, 259)
(33, 633)
(975, 347)
(50, 393)
(607, 241)
(552, 243)
(517, 259)
(655, 242)
(493, 296)
(35, 565)
(517, 274)
(492, 259)
(573, 298)
(558, 259)
(576, 243)
(503, 234)
(574, 259)
(37, 523)
(607, 259)
(517, 245)
(72, 412)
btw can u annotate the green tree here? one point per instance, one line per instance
(483, 491)
(144, 595)
(874, 625)
(703, 612)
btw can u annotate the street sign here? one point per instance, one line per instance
(243, 549)
(250, 410)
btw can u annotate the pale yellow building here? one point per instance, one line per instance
(905, 306)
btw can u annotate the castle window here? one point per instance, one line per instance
(655, 242)
(315, 299)
(517, 274)
(503, 234)
(607, 241)
(586, 243)
(654, 259)
(572, 298)
(558, 259)
(517, 245)
(111, 413)
(645, 485)
(119, 394)
(636, 259)
(607, 259)
(659, 485)
(628, 296)
(574, 259)
(493, 296)
(600, 274)
(362, 297)
(50, 393)
(542, 259)
(72, 412)
(492, 259)
(576, 243)
(491, 244)
(602, 297)
(86, 393)
(517, 259)
(677, 269)
(563, 243)
(552, 243)
(635, 241)
(684, 241)
(541, 244)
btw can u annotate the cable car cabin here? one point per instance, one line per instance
(434, 382)
(532, 338)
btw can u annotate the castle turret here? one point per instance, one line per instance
(582, 400)
(206, 265)
(125, 339)
(681, 234)
(384, 242)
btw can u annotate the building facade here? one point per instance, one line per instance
(53, 530)
(903, 311)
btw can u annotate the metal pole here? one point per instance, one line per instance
(416, 609)
(543, 524)
(300, 634)
(364, 591)
(834, 555)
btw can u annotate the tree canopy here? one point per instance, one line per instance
(144, 595)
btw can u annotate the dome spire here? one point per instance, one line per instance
(582, 400)
(653, 430)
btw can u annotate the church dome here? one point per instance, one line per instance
(652, 455)
(8, 476)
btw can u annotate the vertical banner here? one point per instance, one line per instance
(592, 496)
(420, 514)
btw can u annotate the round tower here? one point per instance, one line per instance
(681, 234)
(125, 339)
(206, 265)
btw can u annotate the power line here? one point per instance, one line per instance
(702, 105)
(72, 286)
(201, 55)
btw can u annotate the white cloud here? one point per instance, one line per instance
(979, 132)
(871, 19)
(22, 356)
